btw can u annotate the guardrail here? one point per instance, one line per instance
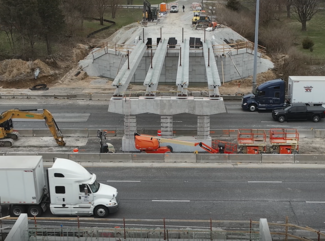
(176, 158)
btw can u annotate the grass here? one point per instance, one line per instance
(315, 31)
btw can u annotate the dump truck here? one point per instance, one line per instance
(67, 188)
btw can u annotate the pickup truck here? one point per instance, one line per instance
(299, 112)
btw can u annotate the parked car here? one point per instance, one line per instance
(299, 112)
(174, 9)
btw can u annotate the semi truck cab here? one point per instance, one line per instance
(75, 191)
(267, 96)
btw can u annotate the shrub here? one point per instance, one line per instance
(307, 43)
(233, 5)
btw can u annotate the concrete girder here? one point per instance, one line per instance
(123, 78)
(154, 71)
(167, 105)
(211, 67)
(182, 79)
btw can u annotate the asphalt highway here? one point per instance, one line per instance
(94, 115)
(218, 193)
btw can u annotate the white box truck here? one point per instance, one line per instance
(306, 89)
(66, 187)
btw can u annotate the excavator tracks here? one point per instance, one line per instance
(7, 142)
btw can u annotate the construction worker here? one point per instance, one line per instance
(183, 8)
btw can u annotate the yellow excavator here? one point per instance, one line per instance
(7, 133)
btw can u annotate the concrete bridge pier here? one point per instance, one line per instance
(203, 127)
(130, 127)
(166, 122)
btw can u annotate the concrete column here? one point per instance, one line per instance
(130, 126)
(203, 127)
(166, 122)
(265, 234)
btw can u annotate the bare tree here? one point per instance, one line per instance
(304, 10)
(288, 6)
(269, 11)
(100, 7)
(114, 4)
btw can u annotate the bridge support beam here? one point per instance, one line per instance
(130, 127)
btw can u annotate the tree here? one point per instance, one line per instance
(288, 6)
(114, 4)
(27, 21)
(100, 7)
(52, 20)
(269, 11)
(233, 5)
(304, 10)
(7, 20)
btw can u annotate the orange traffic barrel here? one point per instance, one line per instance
(163, 7)
(75, 150)
(159, 133)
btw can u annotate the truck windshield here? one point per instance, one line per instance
(255, 91)
(94, 187)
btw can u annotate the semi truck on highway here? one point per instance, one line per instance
(66, 188)
(272, 95)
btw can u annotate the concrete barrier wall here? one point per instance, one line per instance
(304, 133)
(177, 157)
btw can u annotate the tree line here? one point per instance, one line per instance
(25, 22)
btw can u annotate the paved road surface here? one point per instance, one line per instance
(94, 115)
(219, 193)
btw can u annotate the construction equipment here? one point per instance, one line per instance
(149, 13)
(7, 133)
(197, 15)
(251, 141)
(284, 141)
(151, 144)
(105, 147)
(205, 22)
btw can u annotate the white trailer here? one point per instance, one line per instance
(306, 89)
(22, 181)
(71, 189)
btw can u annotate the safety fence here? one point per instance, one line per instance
(158, 229)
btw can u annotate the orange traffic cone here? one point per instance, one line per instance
(75, 150)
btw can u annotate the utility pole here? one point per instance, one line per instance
(256, 43)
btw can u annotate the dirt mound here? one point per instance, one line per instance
(13, 70)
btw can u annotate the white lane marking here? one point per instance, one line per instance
(315, 201)
(122, 181)
(264, 181)
(173, 201)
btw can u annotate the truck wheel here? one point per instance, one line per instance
(170, 148)
(252, 108)
(101, 212)
(281, 119)
(15, 211)
(316, 118)
(34, 211)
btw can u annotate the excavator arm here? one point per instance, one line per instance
(8, 115)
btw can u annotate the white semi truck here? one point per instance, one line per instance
(67, 188)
